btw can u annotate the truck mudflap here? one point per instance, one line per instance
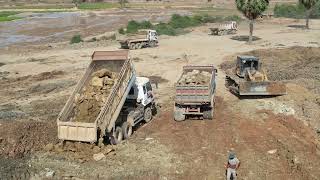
(262, 88)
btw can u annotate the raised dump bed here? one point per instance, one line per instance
(94, 106)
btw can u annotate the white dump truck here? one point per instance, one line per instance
(149, 39)
(126, 101)
(224, 29)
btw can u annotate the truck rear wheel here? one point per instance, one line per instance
(138, 46)
(179, 114)
(147, 114)
(126, 130)
(208, 114)
(117, 136)
(132, 46)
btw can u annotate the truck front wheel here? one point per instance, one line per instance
(147, 114)
(179, 114)
(126, 130)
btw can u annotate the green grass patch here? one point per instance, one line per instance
(76, 39)
(176, 24)
(99, 5)
(296, 11)
(8, 16)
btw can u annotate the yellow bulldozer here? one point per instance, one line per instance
(248, 78)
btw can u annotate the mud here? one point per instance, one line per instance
(88, 103)
(195, 77)
(19, 139)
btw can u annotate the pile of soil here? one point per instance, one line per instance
(92, 97)
(19, 138)
(195, 77)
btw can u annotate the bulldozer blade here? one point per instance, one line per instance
(268, 88)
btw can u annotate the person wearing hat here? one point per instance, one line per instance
(232, 165)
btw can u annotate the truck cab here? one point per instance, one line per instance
(152, 35)
(139, 106)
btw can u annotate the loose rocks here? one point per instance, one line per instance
(195, 77)
(89, 102)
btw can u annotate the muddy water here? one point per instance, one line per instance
(37, 28)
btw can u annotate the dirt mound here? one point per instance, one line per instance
(195, 77)
(89, 102)
(20, 138)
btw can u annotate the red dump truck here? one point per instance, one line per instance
(195, 91)
(112, 119)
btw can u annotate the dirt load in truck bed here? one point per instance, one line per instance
(88, 103)
(195, 77)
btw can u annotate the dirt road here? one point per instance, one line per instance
(270, 145)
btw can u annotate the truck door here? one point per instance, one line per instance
(147, 91)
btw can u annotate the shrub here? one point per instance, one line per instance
(289, 11)
(233, 18)
(178, 21)
(132, 26)
(295, 11)
(121, 31)
(76, 39)
(165, 29)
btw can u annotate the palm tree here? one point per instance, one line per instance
(308, 4)
(251, 9)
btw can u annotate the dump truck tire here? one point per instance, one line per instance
(178, 114)
(152, 44)
(132, 46)
(138, 46)
(147, 114)
(208, 114)
(117, 136)
(126, 130)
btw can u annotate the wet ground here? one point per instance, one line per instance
(37, 28)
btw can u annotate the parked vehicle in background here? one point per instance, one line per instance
(150, 39)
(225, 29)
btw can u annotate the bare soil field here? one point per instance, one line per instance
(275, 138)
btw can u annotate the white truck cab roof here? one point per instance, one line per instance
(140, 81)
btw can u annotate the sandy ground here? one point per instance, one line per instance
(162, 149)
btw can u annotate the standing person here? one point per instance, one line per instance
(232, 165)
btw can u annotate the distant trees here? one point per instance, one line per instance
(309, 5)
(251, 9)
(123, 3)
(76, 2)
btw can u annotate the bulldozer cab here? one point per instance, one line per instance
(247, 63)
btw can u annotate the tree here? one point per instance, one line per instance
(251, 9)
(123, 3)
(309, 5)
(76, 2)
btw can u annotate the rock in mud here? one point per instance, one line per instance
(99, 156)
(49, 147)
